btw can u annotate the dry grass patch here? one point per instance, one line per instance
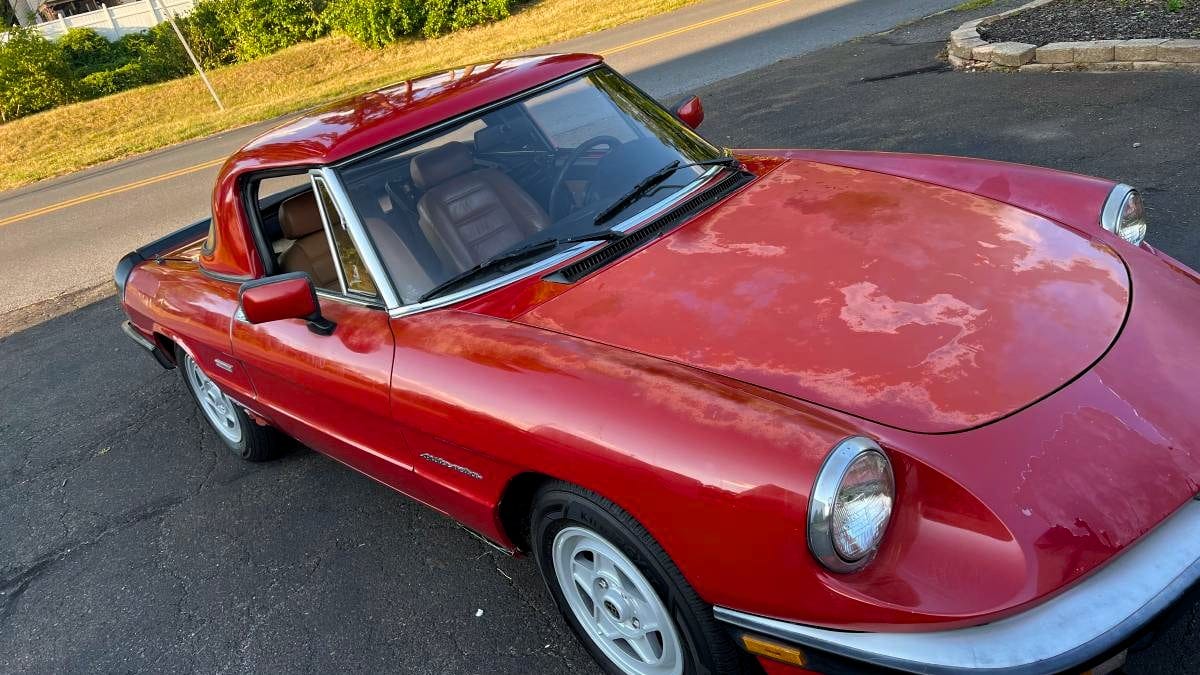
(72, 137)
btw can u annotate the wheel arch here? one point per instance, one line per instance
(515, 504)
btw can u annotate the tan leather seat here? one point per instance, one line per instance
(300, 220)
(407, 275)
(467, 213)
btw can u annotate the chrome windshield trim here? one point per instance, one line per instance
(1110, 215)
(654, 210)
(366, 248)
(492, 284)
(1092, 617)
(544, 264)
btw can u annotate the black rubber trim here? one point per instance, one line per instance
(166, 244)
(150, 251)
(650, 231)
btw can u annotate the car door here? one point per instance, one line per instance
(332, 392)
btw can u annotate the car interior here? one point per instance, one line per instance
(431, 213)
(441, 207)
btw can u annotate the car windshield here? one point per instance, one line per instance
(563, 163)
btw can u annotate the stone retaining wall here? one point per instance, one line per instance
(969, 51)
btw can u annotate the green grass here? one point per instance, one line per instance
(83, 134)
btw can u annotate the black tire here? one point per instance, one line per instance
(707, 647)
(257, 443)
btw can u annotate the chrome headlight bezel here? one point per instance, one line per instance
(1124, 214)
(822, 501)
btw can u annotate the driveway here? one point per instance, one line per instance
(132, 541)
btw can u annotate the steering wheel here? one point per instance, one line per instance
(575, 155)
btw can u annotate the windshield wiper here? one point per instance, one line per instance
(644, 186)
(519, 253)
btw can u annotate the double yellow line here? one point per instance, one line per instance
(693, 26)
(51, 208)
(58, 206)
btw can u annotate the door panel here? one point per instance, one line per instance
(331, 391)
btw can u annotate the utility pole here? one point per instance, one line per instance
(188, 48)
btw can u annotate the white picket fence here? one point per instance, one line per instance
(113, 22)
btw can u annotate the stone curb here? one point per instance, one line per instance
(969, 51)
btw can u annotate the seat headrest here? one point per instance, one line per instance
(440, 164)
(299, 215)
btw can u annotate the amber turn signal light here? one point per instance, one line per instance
(773, 650)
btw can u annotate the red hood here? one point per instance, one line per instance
(916, 306)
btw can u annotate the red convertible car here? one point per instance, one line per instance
(748, 410)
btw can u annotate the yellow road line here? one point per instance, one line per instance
(110, 191)
(694, 26)
(204, 165)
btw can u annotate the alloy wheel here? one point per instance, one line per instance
(216, 405)
(615, 604)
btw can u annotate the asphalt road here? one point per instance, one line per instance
(70, 250)
(130, 540)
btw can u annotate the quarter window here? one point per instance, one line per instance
(353, 272)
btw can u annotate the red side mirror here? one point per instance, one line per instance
(284, 296)
(689, 111)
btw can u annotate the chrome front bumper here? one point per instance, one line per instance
(1084, 623)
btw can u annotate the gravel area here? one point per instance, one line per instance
(1080, 20)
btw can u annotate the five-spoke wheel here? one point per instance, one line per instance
(610, 596)
(250, 441)
(620, 592)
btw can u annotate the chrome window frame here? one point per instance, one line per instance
(362, 241)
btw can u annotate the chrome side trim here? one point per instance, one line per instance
(546, 263)
(366, 249)
(1082, 623)
(1111, 213)
(349, 299)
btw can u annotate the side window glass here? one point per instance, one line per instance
(354, 272)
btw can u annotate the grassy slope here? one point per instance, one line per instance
(76, 136)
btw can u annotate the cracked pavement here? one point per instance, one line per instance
(130, 540)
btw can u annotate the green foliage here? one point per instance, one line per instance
(34, 74)
(259, 27)
(105, 82)
(86, 51)
(207, 32)
(376, 23)
(1174, 5)
(444, 16)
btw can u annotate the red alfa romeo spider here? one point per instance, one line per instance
(752, 409)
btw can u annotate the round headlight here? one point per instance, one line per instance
(1124, 215)
(850, 505)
